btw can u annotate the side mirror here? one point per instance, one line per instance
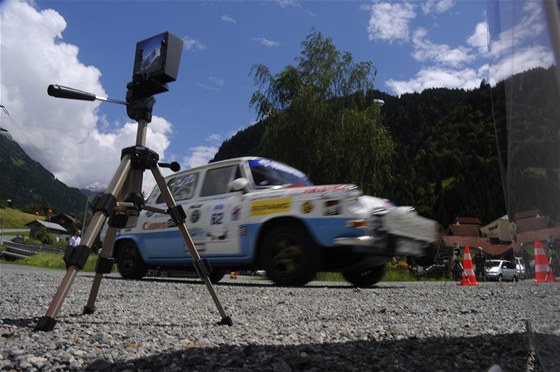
(240, 184)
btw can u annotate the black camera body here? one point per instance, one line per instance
(156, 63)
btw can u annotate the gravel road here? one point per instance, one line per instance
(170, 325)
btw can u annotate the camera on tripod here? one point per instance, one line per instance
(156, 63)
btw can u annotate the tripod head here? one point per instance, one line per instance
(156, 63)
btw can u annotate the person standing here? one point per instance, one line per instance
(75, 240)
(480, 264)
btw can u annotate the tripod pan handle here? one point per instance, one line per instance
(71, 93)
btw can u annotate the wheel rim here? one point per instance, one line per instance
(128, 258)
(287, 255)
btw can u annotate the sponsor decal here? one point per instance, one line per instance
(307, 207)
(271, 206)
(147, 226)
(195, 216)
(236, 213)
(327, 188)
(332, 208)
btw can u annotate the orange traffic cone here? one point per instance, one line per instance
(468, 277)
(543, 271)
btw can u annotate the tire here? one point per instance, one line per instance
(216, 275)
(500, 278)
(366, 278)
(129, 261)
(289, 255)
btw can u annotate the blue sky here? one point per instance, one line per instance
(89, 45)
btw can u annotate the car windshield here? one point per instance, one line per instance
(270, 173)
(492, 263)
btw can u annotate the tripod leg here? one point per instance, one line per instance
(104, 266)
(127, 178)
(76, 257)
(178, 216)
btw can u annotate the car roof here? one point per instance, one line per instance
(214, 164)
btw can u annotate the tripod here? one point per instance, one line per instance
(122, 199)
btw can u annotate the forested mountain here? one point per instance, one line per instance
(30, 186)
(445, 160)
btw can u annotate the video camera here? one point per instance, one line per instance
(156, 63)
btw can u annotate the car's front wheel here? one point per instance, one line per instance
(365, 278)
(289, 255)
(129, 261)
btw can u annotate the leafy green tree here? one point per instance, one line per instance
(317, 117)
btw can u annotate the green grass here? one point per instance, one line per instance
(390, 276)
(53, 261)
(16, 219)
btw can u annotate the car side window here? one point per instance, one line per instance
(217, 180)
(181, 187)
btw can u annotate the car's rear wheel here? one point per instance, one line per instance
(289, 255)
(129, 261)
(365, 278)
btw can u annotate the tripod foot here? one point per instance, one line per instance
(226, 320)
(46, 323)
(88, 310)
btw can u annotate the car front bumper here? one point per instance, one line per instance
(397, 232)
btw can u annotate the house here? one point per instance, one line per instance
(500, 230)
(531, 226)
(467, 232)
(54, 229)
(65, 220)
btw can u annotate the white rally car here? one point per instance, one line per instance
(258, 214)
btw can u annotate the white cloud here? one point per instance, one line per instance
(479, 40)
(201, 155)
(215, 85)
(438, 77)
(193, 44)
(266, 42)
(390, 21)
(438, 6)
(522, 60)
(217, 81)
(228, 19)
(521, 46)
(441, 54)
(288, 3)
(66, 132)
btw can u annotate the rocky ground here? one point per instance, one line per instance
(170, 325)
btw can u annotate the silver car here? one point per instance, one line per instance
(501, 270)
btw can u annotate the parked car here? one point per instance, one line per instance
(258, 214)
(501, 270)
(437, 271)
(520, 267)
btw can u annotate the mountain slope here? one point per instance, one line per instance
(30, 186)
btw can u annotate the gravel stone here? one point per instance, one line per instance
(168, 324)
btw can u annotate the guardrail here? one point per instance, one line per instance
(18, 250)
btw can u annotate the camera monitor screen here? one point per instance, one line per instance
(157, 58)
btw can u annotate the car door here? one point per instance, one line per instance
(509, 270)
(217, 212)
(160, 240)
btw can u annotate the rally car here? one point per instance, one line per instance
(253, 213)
